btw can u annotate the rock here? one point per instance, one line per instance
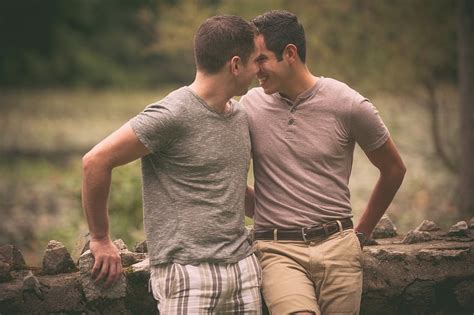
(384, 229)
(31, 283)
(420, 292)
(120, 244)
(143, 266)
(459, 229)
(436, 255)
(427, 226)
(417, 237)
(11, 255)
(94, 291)
(464, 292)
(57, 259)
(5, 274)
(128, 258)
(434, 278)
(141, 247)
(389, 255)
(370, 242)
(471, 223)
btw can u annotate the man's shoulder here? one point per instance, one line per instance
(177, 97)
(254, 99)
(341, 91)
(174, 102)
(253, 94)
(336, 85)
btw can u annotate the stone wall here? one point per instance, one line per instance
(426, 272)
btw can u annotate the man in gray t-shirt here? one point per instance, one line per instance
(303, 131)
(195, 151)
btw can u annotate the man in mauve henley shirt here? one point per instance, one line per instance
(303, 131)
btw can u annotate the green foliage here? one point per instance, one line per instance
(369, 44)
(71, 43)
(125, 204)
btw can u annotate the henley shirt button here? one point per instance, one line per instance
(291, 121)
(292, 110)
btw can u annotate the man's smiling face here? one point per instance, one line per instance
(272, 74)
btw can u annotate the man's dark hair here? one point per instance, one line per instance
(220, 38)
(280, 28)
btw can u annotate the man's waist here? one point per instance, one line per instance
(304, 233)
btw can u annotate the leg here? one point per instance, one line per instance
(287, 287)
(243, 285)
(340, 288)
(207, 288)
(186, 289)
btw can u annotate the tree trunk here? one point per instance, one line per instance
(466, 87)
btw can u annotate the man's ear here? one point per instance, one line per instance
(290, 53)
(235, 64)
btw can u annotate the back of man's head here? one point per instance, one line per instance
(280, 28)
(219, 39)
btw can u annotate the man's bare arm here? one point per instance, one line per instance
(392, 171)
(119, 148)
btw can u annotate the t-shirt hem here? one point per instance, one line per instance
(229, 260)
(143, 139)
(377, 144)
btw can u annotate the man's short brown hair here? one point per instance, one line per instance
(280, 28)
(219, 39)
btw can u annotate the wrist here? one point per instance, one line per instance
(100, 238)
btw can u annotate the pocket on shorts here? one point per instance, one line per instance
(154, 283)
(356, 244)
(163, 282)
(259, 270)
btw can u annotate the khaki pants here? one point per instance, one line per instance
(323, 276)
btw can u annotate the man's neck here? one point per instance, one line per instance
(212, 89)
(301, 81)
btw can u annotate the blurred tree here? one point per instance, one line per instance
(53, 42)
(171, 38)
(94, 42)
(466, 87)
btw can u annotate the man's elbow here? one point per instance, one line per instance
(93, 161)
(398, 172)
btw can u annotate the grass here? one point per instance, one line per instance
(43, 134)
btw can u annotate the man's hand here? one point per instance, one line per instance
(107, 265)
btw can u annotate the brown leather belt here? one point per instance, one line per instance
(305, 234)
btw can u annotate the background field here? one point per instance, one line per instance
(73, 71)
(45, 132)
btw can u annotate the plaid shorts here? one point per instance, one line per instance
(208, 288)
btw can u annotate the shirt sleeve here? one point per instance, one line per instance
(367, 127)
(155, 127)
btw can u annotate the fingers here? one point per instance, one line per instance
(104, 271)
(107, 269)
(107, 265)
(115, 271)
(97, 267)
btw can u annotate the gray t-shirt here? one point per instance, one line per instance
(194, 181)
(302, 152)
